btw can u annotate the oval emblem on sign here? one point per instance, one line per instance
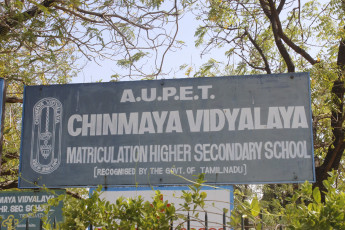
(46, 136)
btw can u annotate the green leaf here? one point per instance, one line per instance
(255, 207)
(258, 227)
(203, 195)
(317, 195)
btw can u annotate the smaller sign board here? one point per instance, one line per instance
(217, 200)
(18, 206)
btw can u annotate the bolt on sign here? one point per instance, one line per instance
(236, 129)
(26, 208)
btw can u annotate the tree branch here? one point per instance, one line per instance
(9, 173)
(101, 15)
(281, 5)
(267, 67)
(76, 14)
(9, 184)
(74, 195)
(287, 40)
(341, 55)
(338, 145)
(282, 50)
(14, 100)
(13, 21)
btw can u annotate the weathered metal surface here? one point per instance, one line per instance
(237, 129)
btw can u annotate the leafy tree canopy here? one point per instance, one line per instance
(40, 41)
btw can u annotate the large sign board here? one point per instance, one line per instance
(218, 199)
(24, 208)
(237, 129)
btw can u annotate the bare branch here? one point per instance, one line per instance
(74, 195)
(14, 100)
(9, 184)
(281, 5)
(288, 41)
(285, 54)
(267, 67)
(76, 14)
(173, 39)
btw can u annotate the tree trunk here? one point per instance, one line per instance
(336, 149)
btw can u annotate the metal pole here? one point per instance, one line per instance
(224, 221)
(188, 222)
(242, 222)
(206, 221)
(2, 114)
(41, 224)
(27, 223)
(54, 223)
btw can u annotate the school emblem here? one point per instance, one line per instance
(46, 136)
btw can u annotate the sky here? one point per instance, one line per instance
(189, 54)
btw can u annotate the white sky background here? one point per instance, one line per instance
(102, 70)
(189, 55)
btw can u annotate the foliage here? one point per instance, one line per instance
(267, 36)
(306, 211)
(122, 31)
(127, 213)
(302, 209)
(20, 68)
(243, 29)
(40, 41)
